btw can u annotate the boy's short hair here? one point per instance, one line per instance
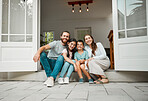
(81, 41)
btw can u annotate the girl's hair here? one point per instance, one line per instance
(93, 44)
(74, 50)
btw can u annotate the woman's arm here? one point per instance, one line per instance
(100, 51)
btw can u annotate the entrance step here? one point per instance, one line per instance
(114, 76)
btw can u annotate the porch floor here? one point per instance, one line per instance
(36, 91)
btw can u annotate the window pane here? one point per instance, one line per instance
(5, 16)
(29, 16)
(28, 38)
(17, 38)
(4, 38)
(121, 35)
(136, 33)
(136, 13)
(121, 13)
(17, 16)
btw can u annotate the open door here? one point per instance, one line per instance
(18, 35)
(130, 20)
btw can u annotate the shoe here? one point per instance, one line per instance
(45, 83)
(66, 80)
(81, 80)
(91, 81)
(60, 81)
(50, 82)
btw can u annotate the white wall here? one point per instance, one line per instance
(56, 15)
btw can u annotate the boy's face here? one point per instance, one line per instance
(80, 45)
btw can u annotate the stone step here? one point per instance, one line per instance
(114, 76)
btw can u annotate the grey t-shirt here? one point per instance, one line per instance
(56, 49)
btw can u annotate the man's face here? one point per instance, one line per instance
(80, 45)
(65, 37)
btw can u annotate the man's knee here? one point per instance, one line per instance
(60, 58)
(43, 55)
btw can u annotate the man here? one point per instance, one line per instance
(54, 61)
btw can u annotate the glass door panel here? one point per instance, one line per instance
(17, 16)
(121, 14)
(5, 6)
(29, 13)
(136, 13)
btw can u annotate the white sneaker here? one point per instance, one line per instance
(45, 83)
(60, 81)
(50, 82)
(66, 80)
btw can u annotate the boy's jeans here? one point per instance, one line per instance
(52, 67)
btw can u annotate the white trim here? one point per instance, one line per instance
(25, 19)
(115, 31)
(132, 29)
(147, 15)
(125, 18)
(9, 8)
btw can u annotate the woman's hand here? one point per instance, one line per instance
(82, 61)
(36, 57)
(90, 59)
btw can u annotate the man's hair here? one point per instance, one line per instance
(66, 32)
(81, 41)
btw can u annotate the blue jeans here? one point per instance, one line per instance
(65, 68)
(52, 67)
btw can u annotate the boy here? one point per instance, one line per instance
(80, 57)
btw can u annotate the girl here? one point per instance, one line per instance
(98, 61)
(68, 55)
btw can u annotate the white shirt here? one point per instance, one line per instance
(99, 53)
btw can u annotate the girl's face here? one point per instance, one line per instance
(88, 40)
(71, 45)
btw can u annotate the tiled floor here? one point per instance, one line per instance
(36, 91)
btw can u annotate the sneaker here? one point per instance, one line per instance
(66, 80)
(91, 81)
(45, 83)
(50, 82)
(81, 80)
(60, 81)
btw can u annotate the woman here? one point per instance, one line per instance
(98, 61)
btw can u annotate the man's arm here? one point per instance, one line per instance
(40, 50)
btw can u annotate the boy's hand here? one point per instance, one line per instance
(82, 61)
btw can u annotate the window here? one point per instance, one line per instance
(81, 32)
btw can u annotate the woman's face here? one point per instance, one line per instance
(88, 40)
(71, 45)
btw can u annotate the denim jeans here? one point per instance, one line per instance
(52, 67)
(65, 68)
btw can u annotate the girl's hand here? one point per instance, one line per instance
(75, 67)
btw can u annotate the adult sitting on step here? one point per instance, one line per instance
(52, 63)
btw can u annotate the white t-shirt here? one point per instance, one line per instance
(70, 53)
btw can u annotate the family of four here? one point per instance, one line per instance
(91, 59)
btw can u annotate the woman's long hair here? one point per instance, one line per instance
(93, 44)
(74, 50)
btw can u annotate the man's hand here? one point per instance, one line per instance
(36, 57)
